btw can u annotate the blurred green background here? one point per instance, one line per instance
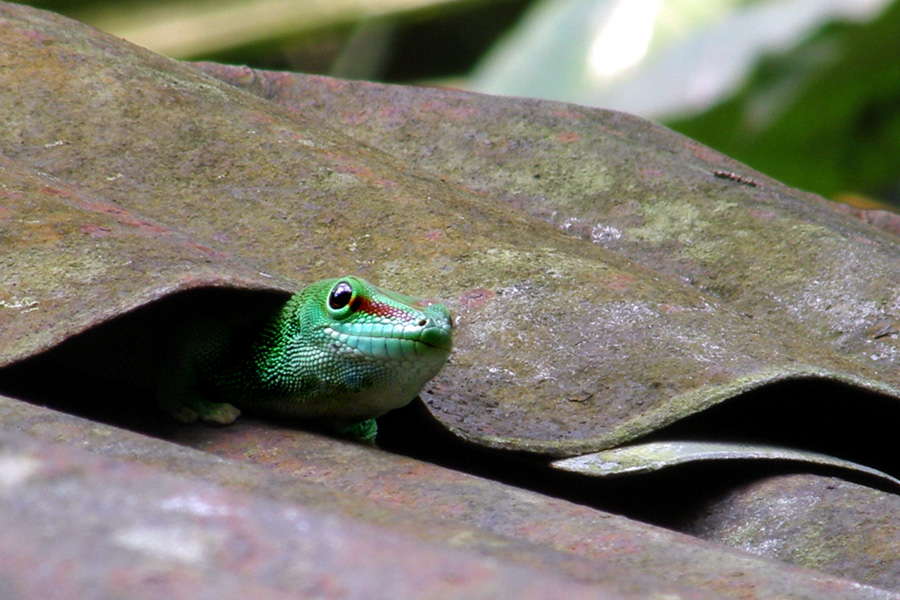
(807, 91)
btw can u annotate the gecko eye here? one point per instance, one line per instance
(340, 296)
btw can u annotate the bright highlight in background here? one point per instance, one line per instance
(624, 38)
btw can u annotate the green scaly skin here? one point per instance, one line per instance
(341, 351)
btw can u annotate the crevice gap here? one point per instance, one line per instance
(807, 414)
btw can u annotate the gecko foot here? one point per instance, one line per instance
(218, 413)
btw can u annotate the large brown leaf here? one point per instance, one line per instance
(564, 346)
(646, 284)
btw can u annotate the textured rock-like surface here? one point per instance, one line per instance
(564, 346)
(848, 528)
(284, 513)
(77, 526)
(126, 177)
(793, 285)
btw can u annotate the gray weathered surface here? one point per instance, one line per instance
(282, 512)
(786, 284)
(635, 287)
(152, 176)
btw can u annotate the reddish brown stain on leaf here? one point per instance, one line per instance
(391, 114)
(476, 298)
(621, 282)
(703, 153)
(10, 195)
(145, 226)
(671, 308)
(452, 111)
(207, 250)
(96, 230)
(53, 191)
(610, 131)
(106, 208)
(351, 169)
(125, 217)
(36, 36)
(566, 114)
(567, 137)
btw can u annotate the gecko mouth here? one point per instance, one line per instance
(390, 339)
(394, 345)
(437, 338)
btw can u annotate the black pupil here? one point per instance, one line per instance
(340, 295)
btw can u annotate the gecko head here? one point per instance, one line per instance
(372, 348)
(355, 306)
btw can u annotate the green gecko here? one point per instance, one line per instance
(341, 351)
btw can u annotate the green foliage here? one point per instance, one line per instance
(824, 116)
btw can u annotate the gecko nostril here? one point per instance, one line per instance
(423, 322)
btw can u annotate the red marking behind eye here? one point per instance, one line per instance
(379, 309)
